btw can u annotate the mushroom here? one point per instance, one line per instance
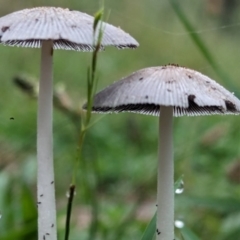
(53, 28)
(166, 91)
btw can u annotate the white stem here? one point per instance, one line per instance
(45, 179)
(165, 190)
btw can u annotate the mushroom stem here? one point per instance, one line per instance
(165, 190)
(45, 179)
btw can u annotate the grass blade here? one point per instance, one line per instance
(188, 234)
(151, 229)
(202, 47)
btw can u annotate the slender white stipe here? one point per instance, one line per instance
(45, 178)
(165, 189)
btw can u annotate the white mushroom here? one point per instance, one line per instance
(167, 91)
(53, 28)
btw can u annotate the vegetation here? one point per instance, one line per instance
(118, 168)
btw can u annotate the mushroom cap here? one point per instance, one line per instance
(71, 30)
(187, 91)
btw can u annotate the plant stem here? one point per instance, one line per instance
(45, 178)
(165, 191)
(85, 121)
(69, 210)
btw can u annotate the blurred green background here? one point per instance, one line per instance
(116, 189)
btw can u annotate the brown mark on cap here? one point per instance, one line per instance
(171, 81)
(5, 28)
(191, 102)
(230, 106)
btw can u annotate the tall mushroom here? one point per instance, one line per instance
(53, 28)
(166, 91)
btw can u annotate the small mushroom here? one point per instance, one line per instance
(53, 28)
(166, 91)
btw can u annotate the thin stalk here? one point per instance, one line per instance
(92, 85)
(69, 210)
(85, 124)
(165, 190)
(45, 178)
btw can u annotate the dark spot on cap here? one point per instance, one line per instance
(52, 225)
(230, 106)
(5, 28)
(193, 107)
(213, 88)
(171, 81)
(52, 182)
(169, 90)
(173, 64)
(146, 96)
(36, 19)
(207, 81)
(140, 79)
(73, 26)
(191, 103)
(191, 97)
(189, 76)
